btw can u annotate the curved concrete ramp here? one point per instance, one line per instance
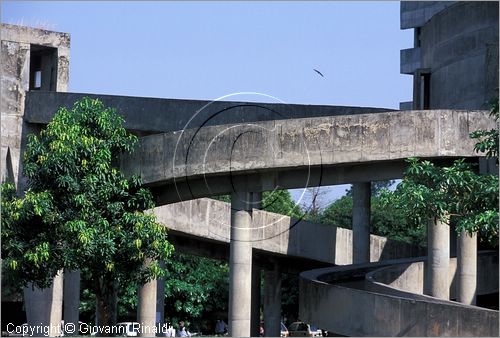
(353, 301)
(295, 153)
(208, 220)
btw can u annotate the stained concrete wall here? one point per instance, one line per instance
(300, 152)
(331, 299)
(16, 42)
(456, 43)
(209, 220)
(460, 47)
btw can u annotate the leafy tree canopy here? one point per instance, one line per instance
(79, 211)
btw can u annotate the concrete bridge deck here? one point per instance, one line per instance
(296, 153)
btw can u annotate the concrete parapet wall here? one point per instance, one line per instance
(274, 148)
(410, 277)
(332, 299)
(209, 220)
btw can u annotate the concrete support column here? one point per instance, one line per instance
(467, 268)
(255, 329)
(160, 301)
(146, 311)
(72, 299)
(44, 306)
(272, 303)
(255, 316)
(361, 195)
(438, 258)
(240, 265)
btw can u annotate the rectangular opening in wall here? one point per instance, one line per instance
(43, 68)
(425, 91)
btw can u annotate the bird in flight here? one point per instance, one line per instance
(317, 71)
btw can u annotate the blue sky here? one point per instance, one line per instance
(206, 50)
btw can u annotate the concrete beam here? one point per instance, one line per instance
(467, 268)
(438, 257)
(240, 265)
(361, 197)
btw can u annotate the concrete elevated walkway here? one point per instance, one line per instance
(385, 299)
(202, 226)
(297, 153)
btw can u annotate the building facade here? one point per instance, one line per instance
(454, 59)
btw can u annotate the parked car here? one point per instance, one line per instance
(301, 329)
(284, 330)
(128, 329)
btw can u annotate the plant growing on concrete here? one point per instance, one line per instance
(79, 211)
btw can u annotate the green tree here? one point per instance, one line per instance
(79, 211)
(457, 192)
(195, 287)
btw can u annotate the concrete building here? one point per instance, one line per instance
(230, 156)
(454, 59)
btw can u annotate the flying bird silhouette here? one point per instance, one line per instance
(317, 71)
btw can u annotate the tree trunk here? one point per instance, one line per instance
(106, 305)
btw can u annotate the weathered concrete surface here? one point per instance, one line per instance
(400, 279)
(438, 257)
(240, 265)
(460, 46)
(361, 197)
(146, 309)
(330, 299)
(456, 43)
(300, 152)
(16, 43)
(209, 220)
(467, 268)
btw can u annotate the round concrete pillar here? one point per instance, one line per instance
(361, 195)
(72, 299)
(160, 301)
(438, 259)
(467, 268)
(146, 311)
(272, 303)
(240, 266)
